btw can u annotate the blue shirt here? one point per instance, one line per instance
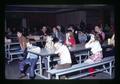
(82, 38)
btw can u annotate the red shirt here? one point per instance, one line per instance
(72, 41)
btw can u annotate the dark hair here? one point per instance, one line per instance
(69, 30)
(55, 28)
(19, 30)
(88, 38)
(55, 40)
(23, 33)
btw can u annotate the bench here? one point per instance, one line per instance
(83, 66)
(13, 53)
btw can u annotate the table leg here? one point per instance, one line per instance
(48, 64)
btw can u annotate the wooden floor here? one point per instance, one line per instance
(12, 72)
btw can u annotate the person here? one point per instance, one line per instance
(63, 53)
(44, 31)
(14, 30)
(99, 34)
(96, 50)
(35, 31)
(7, 39)
(9, 32)
(82, 37)
(110, 51)
(70, 40)
(49, 46)
(49, 43)
(30, 60)
(61, 29)
(82, 25)
(57, 34)
(23, 41)
(74, 30)
(111, 40)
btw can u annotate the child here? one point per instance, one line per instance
(31, 59)
(70, 40)
(95, 49)
(49, 43)
(64, 54)
(82, 37)
(23, 42)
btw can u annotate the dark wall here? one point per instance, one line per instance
(91, 17)
(37, 20)
(33, 19)
(94, 17)
(74, 17)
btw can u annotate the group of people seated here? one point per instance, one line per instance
(61, 43)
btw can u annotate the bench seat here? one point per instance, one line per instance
(80, 66)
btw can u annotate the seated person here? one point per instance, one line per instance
(30, 60)
(7, 40)
(110, 51)
(64, 54)
(112, 40)
(82, 37)
(49, 46)
(23, 41)
(99, 34)
(49, 43)
(70, 40)
(57, 34)
(95, 49)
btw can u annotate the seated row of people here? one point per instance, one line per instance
(61, 49)
(61, 43)
(78, 34)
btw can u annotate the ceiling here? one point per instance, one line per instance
(53, 8)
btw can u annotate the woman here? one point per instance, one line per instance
(99, 34)
(57, 34)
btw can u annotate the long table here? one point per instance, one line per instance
(46, 53)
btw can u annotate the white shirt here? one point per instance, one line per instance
(34, 49)
(64, 54)
(95, 46)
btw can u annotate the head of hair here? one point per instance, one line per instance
(88, 38)
(69, 30)
(55, 40)
(19, 30)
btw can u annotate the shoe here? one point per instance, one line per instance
(22, 76)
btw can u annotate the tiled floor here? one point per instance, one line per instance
(12, 72)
